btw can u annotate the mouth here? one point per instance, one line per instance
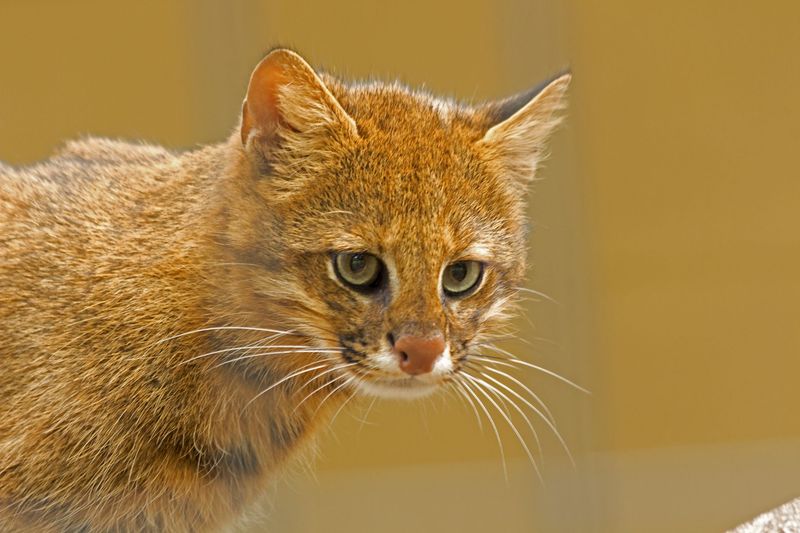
(405, 388)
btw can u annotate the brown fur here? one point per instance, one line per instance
(108, 251)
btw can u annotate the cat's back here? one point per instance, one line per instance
(80, 167)
(81, 205)
(96, 245)
(97, 224)
(95, 187)
(90, 239)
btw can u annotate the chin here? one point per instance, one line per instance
(405, 388)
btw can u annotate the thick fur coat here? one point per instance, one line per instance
(172, 330)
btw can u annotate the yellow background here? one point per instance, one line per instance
(666, 229)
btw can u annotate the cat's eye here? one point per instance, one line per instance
(360, 271)
(461, 278)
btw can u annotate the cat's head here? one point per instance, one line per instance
(388, 224)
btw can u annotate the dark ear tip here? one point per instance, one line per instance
(566, 71)
(279, 48)
(283, 52)
(500, 111)
(563, 77)
(281, 56)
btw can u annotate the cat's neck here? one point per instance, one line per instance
(254, 414)
(251, 424)
(227, 414)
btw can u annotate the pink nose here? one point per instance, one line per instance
(417, 355)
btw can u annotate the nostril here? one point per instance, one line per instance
(418, 355)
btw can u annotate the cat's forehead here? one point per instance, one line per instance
(413, 179)
(412, 119)
(396, 199)
(411, 143)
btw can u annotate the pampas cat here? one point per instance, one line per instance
(176, 326)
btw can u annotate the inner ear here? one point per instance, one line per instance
(285, 95)
(260, 107)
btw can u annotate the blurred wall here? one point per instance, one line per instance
(665, 230)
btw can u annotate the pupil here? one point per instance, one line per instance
(357, 262)
(459, 271)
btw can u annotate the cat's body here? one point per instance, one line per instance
(154, 306)
(90, 287)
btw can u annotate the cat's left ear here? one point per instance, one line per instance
(520, 126)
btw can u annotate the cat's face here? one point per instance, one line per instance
(396, 220)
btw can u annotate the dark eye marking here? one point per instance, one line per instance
(348, 342)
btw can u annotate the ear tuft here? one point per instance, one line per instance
(288, 105)
(521, 125)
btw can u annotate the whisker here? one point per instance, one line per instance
(350, 379)
(550, 423)
(251, 347)
(303, 370)
(462, 396)
(502, 361)
(305, 323)
(539, 293)
(327, 383)
(262, 354)
(364, 417)
(341, 407)
(512, 358)
(507, 336)
(228, 328)
(525, 387)
(468, 388)
(508, 421)
(528, 342)
(501, 395)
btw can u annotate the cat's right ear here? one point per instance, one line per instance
(289, 107)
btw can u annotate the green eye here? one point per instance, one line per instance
(360, 271)
(462, 277)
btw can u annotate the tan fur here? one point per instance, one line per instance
(108, 251)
